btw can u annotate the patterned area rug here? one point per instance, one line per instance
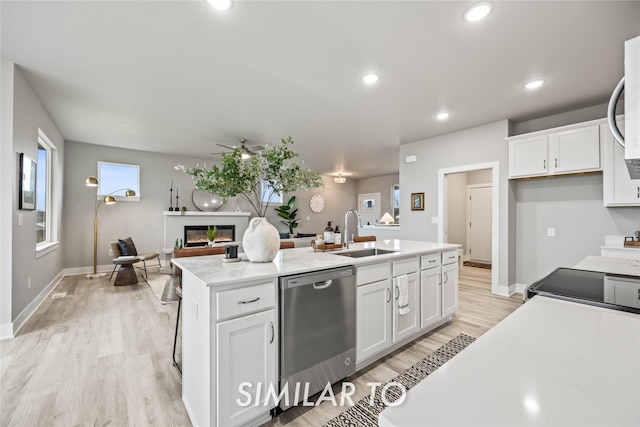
(362, 414)
(477, 264)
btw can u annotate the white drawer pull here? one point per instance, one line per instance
(249, 301)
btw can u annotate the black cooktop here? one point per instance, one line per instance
(615, 291)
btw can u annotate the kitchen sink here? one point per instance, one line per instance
(364, 252)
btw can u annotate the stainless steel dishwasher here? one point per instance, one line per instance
(317, 331)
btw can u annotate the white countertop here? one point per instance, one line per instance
(551, 362)
(627, 266)
(212, 271)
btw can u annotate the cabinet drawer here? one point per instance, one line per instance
(430, 261)
(237, 302)
(373, 273)
(449, 256)
(406, 266)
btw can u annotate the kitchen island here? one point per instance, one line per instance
(551, 362)
(231, 315)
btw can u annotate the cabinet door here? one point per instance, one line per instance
(430, 297)
(575, 150)
(373, 318)
(528, 157)
(406, 324)
(246, 350)
(618, 187)
(449, 289)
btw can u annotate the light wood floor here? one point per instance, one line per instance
(102, 356)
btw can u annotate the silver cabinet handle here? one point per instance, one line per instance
(397, 296)
(439, 279)
(273, 333)
(556, 162)
(452, 257)
(432, 260)
(248, 301)
(446, 277)
(389, 294)
(544, 164)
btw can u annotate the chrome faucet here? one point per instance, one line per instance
(346, 226)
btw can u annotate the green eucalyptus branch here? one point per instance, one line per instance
(275, 165)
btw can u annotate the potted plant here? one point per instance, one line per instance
(211, 234)
(257, 180)
(288, 215)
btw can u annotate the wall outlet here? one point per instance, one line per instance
(29, 282)
(434, 220)
(111, 253)
(551, 232)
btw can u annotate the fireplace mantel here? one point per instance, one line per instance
(174, 223)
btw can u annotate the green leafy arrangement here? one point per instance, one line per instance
(244, 177)
(212, 233)
(288, 215)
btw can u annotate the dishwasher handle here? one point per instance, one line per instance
(322, 285)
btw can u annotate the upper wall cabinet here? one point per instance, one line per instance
(618, 187)
(570, 149)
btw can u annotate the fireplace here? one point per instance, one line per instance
(196, 235)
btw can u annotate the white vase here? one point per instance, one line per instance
(261, 241)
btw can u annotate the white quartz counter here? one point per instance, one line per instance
(212, 271)
(551, 362)
(629, 267)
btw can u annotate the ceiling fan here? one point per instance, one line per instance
(246, 151)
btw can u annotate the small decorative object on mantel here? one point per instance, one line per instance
(171, 197)
(177, 208)
(211, 235)
(271, 169)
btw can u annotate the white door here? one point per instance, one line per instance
(369, 208)
(479, 225)
(373, 318)
(406, 324)
(246, 353)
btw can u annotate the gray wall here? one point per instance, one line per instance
(28, 115)
(380, 184)
(472, 146)
(143, 220)
(572, 205)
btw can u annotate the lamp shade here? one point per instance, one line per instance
(387, 219)
(109, 200)
(91, 181)
(130, 193)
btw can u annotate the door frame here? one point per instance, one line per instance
(469, 188)
(495, 214)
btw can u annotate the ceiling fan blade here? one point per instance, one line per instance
(226, 146)
(256, 148)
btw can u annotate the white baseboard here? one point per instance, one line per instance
(518, 288)
(6, 331)
(28, 311)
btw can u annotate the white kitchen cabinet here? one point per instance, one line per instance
(439, 288)
(431, 297)
(449, 289)
(246, 349)
(373, 319)
(618, 187)
(570, 149)
(528, 157)
(405, 325)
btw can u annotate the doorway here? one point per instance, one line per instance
(369, 208)
(448, 177)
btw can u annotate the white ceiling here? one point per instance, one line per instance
(179, 76)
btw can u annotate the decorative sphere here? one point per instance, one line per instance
(205, 201)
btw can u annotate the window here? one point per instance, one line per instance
(116, 178)
(267, 191)
(46, 233)
(395, 202)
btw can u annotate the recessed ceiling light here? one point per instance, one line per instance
(442, 116)
(370, 78)
(534, 84)
(478, 11)
(220, 4)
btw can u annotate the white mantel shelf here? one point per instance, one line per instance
(202, 213)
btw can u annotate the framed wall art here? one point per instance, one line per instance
(417, 201)
(27, 183)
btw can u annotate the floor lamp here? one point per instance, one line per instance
(109, 199)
